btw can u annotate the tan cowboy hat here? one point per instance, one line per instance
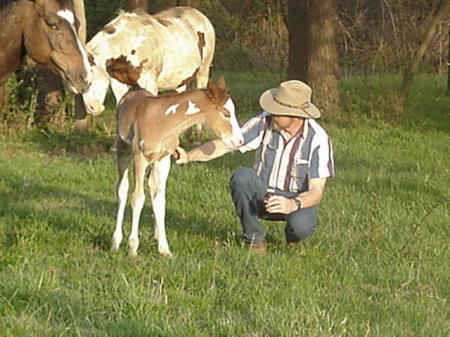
(291, 98)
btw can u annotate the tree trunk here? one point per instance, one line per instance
(189, 3)
(322, 62)
(80, 111)
(298, 26)
(142, 4)
(448, 63)
(441, 10)
(78, 6)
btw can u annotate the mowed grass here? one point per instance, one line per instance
(377, 266)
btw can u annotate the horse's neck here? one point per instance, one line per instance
(14, 16)
(12, 24)
(164, 134)
(184, 122)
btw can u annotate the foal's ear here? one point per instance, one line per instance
(218, 92)
(222, 85)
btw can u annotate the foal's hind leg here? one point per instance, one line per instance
(157, 187)
(137, 201)
(123, 162)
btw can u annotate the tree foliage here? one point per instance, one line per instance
(373, 36)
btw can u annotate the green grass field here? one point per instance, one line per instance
(377, 266)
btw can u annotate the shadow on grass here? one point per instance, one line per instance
(60, 215)
(86, 144)
(89, 218)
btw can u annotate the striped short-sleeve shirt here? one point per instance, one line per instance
(287, 165)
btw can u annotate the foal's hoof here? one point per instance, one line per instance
(167, 254)
(115, 246)
(133, 245)
(133, 253)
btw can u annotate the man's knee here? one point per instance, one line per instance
(304, 231)
(302, 224)
(241, 177)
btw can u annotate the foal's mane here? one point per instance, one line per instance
(187, 91)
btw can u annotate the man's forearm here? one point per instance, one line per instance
(314, 195)
(310, 198)
(208, 151)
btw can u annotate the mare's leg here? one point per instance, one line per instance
(203, 71)
(119, 89)
(181, 89)
(123, 162)
(201, 81)
(148, 82)
(157, 187)
(203, 76)
(137, 201)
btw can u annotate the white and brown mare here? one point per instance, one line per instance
(45, 31)
(165, 51)
(148, 128)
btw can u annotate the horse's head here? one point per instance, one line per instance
(94, 97)
(221, 117)
(52, 40)
(119, 69)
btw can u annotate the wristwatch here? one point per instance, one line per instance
(298, 203)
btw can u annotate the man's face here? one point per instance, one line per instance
(281, 123)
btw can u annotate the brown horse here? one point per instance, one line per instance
(45, 31)
(147, 134)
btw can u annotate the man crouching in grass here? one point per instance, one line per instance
(293, 161)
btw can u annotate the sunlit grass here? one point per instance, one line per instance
(377, 265)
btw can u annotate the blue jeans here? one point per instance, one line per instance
(248, 192)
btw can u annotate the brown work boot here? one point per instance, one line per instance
(258, 247)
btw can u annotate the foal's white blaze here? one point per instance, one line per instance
(67, 15)
(236, 139)
(192, 108)
(172, 109)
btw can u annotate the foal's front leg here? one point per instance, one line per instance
(137, 201)
(157, 186)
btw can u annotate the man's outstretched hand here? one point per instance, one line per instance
(180, 156)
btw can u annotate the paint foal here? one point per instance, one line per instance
(45, 31)
(147, 134)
